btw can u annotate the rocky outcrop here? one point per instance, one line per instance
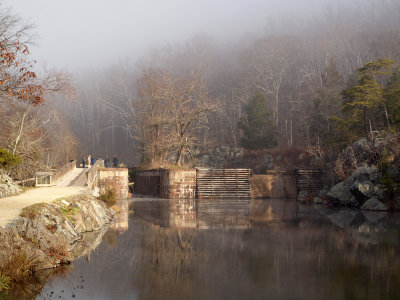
(383, 145)
(219, 157)
(7, 186)
(362, 185)
(50, 232)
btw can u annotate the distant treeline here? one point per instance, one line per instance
(198, 94)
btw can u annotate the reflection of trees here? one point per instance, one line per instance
(313, 258)
(268, 259)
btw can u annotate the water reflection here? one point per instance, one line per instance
(258, 249)
(121, 219)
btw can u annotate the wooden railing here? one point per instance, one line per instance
(51, 178)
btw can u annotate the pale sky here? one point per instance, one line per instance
(83, 34)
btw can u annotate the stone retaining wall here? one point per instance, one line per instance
(177, 183)
(116, 178)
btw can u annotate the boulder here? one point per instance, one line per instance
(7, 186)
(362, 190)
(318, 200)
(305, 197)
(340, 194)
(366, 172)
(374, 204)
(355, 190)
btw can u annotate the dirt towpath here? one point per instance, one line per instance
(73, 184)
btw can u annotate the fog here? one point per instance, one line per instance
(79, 35)
(300, 55)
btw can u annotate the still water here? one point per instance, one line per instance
(229, 249)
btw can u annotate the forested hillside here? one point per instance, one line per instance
(301, 66)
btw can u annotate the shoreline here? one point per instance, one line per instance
(47, 235)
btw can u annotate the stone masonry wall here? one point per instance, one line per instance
(114, 177)
(273, 186)
(177, 183)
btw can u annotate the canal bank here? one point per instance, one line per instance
(47, 235)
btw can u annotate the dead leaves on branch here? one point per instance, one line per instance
(18, 80)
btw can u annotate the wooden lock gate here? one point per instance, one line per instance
(223, 183)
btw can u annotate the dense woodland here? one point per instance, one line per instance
(315, 83)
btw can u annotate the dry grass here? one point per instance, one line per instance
(31, 212)
(109, 197)
(15, 267)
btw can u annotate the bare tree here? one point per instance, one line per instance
(174, 107)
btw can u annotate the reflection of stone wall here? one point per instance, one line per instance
(116, 178)
(176, 213)
(178, 183)
(121, 219)
(182, 213)
(273, 186)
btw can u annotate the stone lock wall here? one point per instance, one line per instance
(178, 183)
(273, 186)
(114, 177)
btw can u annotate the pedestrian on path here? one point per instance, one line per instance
(83, 162)
(115, 161)
(107, 161)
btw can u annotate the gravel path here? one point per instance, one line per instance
(72, 184)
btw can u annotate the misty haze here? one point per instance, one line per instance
(226, 149)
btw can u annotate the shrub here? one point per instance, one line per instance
(7, 159)
(5, 282)
(109, 196)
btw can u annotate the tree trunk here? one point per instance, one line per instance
(387, 117)
(367, 135)
(179, 156)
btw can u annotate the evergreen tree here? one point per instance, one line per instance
(7, 159)
(257, 125)
(363, 98)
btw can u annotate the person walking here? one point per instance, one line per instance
(115, 161)
(107, 161)
(83, 162)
